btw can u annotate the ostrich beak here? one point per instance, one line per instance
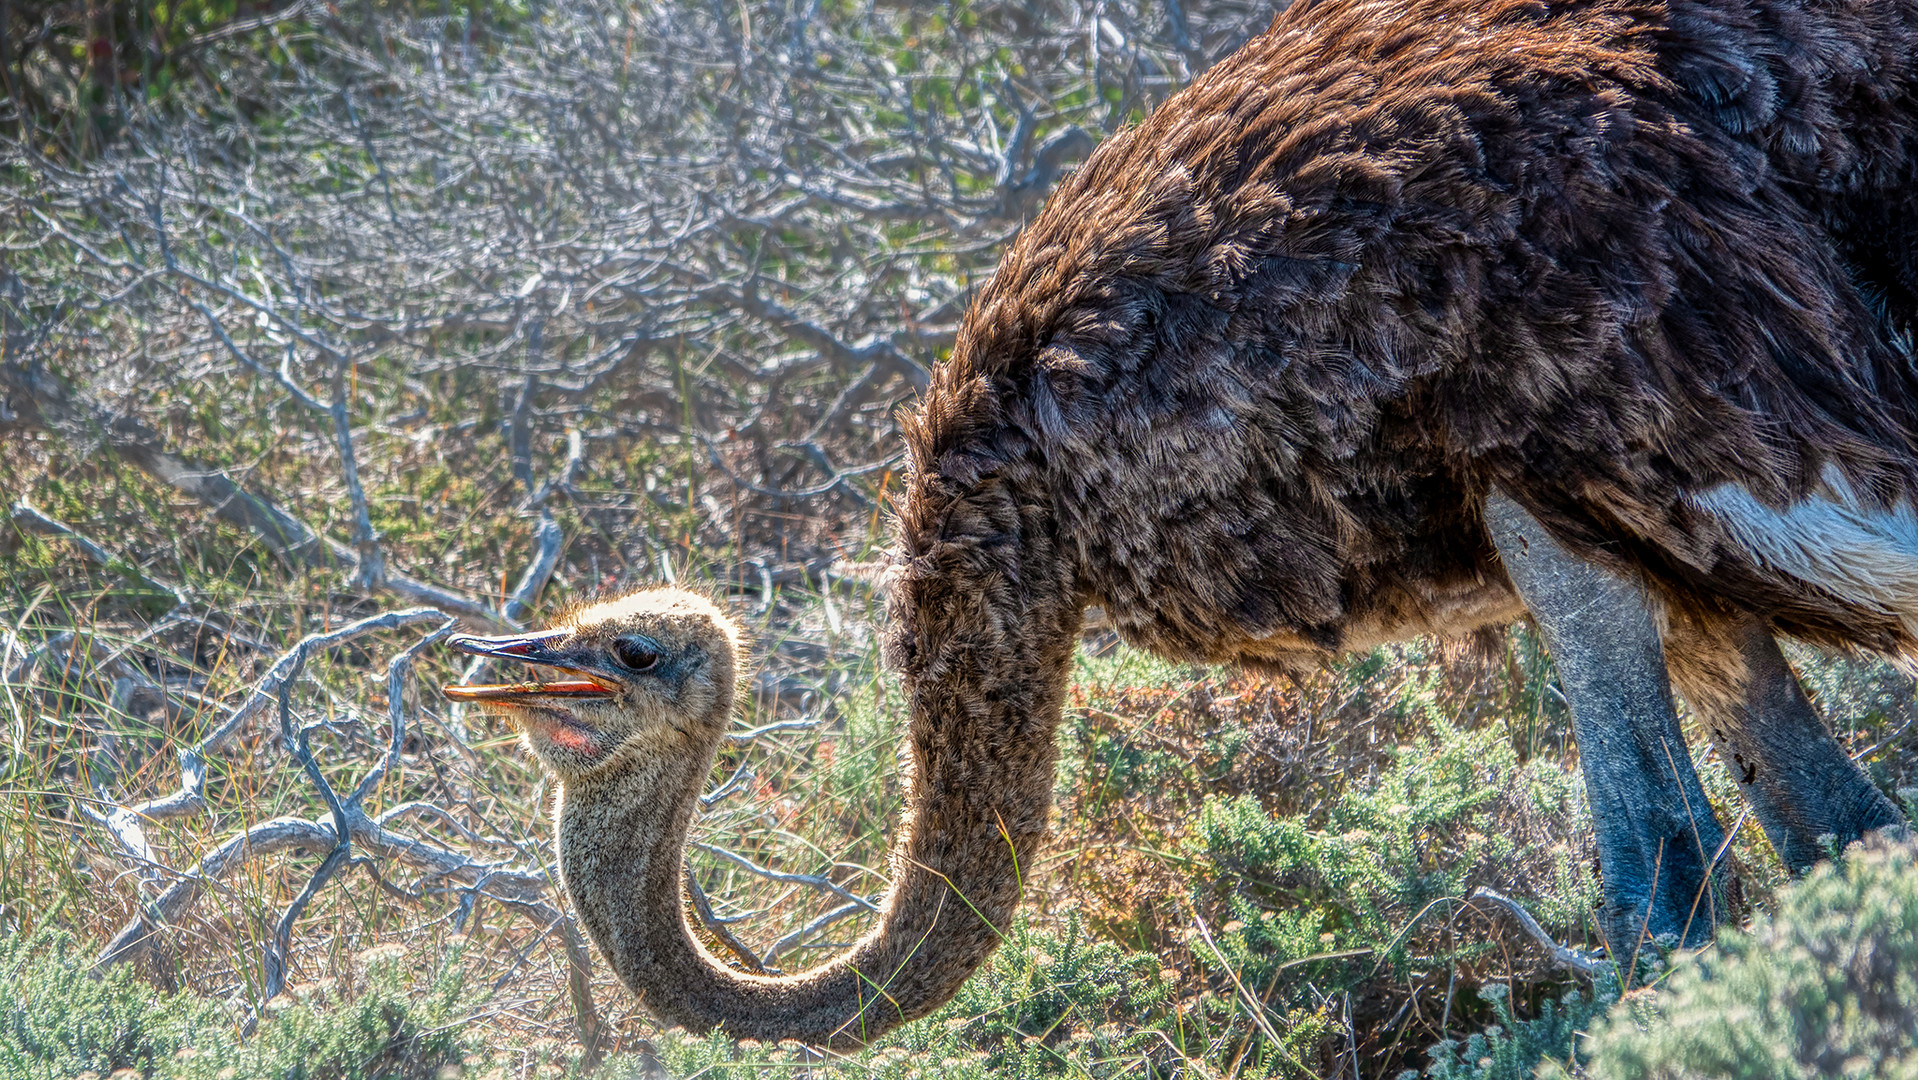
(531, 649)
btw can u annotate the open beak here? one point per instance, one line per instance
(537, 649)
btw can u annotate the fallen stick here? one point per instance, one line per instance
(26, 515)
(1585, 964)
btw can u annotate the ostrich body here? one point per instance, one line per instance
(1405, 318)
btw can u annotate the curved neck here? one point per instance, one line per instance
(986, 664)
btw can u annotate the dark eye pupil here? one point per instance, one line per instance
(635, 654)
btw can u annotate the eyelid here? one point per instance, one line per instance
(624, 646)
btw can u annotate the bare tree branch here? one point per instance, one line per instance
(1582, 963)
(788, 942)
(38, 399)
(704, 909)
(810, 880)
(27, 515)
(550, 538)
(347, 824)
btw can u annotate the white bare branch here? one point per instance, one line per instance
(1583, 963)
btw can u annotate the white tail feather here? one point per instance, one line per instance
(1867, 556)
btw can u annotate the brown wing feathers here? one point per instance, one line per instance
(1265, 353)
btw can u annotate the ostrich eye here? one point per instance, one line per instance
(636, 652)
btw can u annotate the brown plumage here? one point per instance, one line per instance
(1264, 354)
(1249, 378)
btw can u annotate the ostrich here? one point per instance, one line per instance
(1408, 317)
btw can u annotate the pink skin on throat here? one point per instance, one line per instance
(565, 736)
(574, 740)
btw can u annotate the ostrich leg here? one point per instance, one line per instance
(1799, 781)
(1657, 837)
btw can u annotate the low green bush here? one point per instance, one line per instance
(1058, 1004)
(1826, 988)
(1513, 1049)
(62, 1020)
(1355, 895)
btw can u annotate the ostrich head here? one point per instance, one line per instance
(637, 677)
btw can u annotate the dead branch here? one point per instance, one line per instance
(24, 514)
(346, 825)
(28, 516)
(749, 736)
(791, 941)
(1564, 957)
(1020, 197)
(550, 538)
(810, 880)
(126, 823)
(568, 474)
(370, 570)
(38, 399)
(837, 481)
(740, 777)
(879, 353)
(290, 664)
(274, 976)
(717, 927)
(480, 226)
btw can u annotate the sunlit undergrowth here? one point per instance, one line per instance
(64, 1022)
(1251, 876)
(1311, 844)
(1826, 987)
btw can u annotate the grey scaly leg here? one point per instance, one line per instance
(1657, 835)
(1799, 781)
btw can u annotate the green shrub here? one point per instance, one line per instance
(1513, 1049)
(1827, 987)
(1053, 986)
(62, 1020)
(383, 1031)
(1061, 1004)
(1326, 901)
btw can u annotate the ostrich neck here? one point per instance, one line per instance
(985, 703)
